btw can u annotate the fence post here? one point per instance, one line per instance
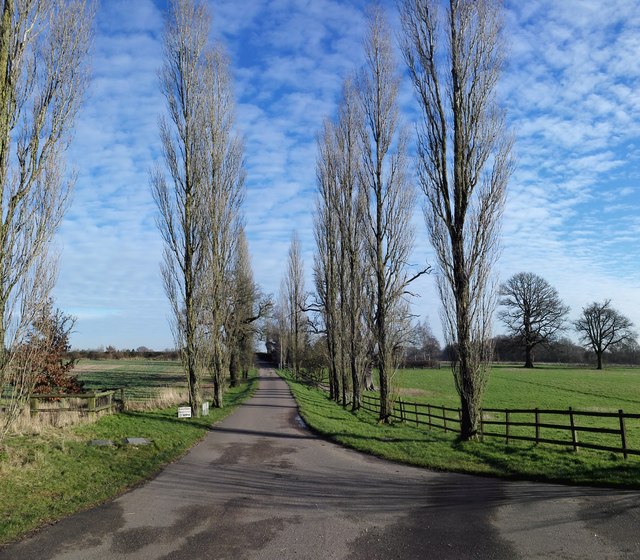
(481, 422)
(122, 396)
(506, 425)
(429, 415)
(91, 403)
(574, 434)
(623, 434)
(444, 418)
(401, 410)
(537, 426)
(33, 405)
(415, 405)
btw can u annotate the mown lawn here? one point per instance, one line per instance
(509, 387)
(544, 387)
(48, 476)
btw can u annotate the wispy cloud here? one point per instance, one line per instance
(570, 88)
(572, 93)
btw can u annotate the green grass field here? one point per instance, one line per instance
(47, 476)
(545, 386)
(549, 387)
(140, 378)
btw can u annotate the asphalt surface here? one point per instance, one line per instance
(261, 486)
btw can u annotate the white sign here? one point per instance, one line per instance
(184, 412)
(205, 408)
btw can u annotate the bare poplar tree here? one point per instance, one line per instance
(602, 328)
(200, 208)
(340, 269)
(350, 207)
(224, 152)
(389, 197)
(282, 314)
(464, 164)
(43, 77)
(532, 311)
(182, 199)
(294, 286)
(325, 269)
(244, 296)
(249, 306)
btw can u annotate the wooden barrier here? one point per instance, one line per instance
(449, 419)
(109, 400)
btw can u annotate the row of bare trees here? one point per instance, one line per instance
(366, 199)
(43, 77)
(363, 228)
(534, 314)
(199, 194)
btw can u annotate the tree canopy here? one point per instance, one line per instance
(532, 311)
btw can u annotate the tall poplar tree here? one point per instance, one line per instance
(44, 48)
(464, 163)
(389, 197)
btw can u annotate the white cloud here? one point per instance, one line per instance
(571, 87)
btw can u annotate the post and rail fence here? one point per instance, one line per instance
(520, 424)
(110, 400)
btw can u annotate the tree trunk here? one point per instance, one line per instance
(195, 398)
(220, 371)
(218, 392)
(234, 369)
(381, 307)
(599, 355)
(355, 381)
(368, 379)
(343, 376)
(528, 357)
(470, 423)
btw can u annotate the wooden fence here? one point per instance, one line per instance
(109, 400)
(522, 424)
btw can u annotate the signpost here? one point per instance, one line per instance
(184, 412)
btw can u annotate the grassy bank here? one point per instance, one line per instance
(441, 451)
(46, 477)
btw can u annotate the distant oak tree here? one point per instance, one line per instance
(603, 328)
(532, 311)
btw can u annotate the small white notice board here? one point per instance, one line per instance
(184, 412)
(205, 408)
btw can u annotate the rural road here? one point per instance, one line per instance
(260, 486)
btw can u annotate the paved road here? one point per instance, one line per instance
(260, 486)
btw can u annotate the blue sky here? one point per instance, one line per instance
(571, 87)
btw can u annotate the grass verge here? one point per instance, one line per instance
(46, 477)
(441, 451)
